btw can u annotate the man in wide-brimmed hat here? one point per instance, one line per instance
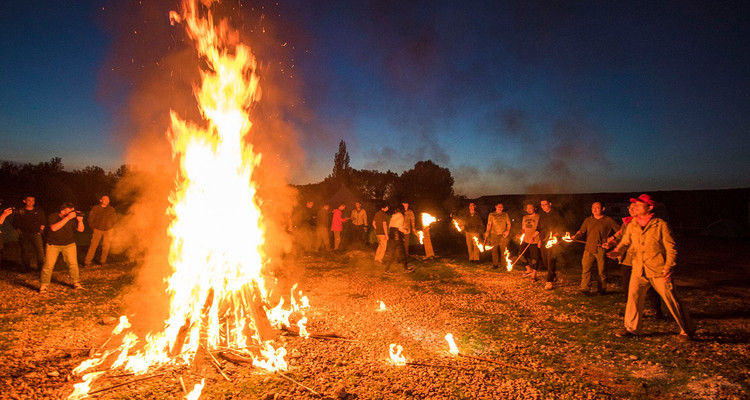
(653, 258)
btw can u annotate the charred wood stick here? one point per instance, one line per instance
(496, 362)
(125, 383)
(298, 383)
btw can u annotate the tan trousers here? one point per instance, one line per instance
(637, 299)
(382, 246)
(106, 238)
(472, 247)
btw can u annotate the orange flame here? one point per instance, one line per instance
(508, 263)
(567, 237)
(427, 220)
(420, 235)
(458, 227)
(382, 306)
(216, 285)
(453, 348)
(521, 240)
(396, 356)
(196, 392)
(551, 241)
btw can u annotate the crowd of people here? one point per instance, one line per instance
(43, 238)
(642, 244)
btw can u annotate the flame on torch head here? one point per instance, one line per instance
(420, 235)
(458, 227)
(453, 348)
(427, 219)
(508, 263)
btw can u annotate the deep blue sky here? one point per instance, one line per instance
(511, 96)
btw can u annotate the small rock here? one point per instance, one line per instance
(53, 374)
(108, 321)
(633, 357)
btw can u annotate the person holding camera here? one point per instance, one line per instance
(60, 240)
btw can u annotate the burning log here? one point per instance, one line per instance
(454, 350)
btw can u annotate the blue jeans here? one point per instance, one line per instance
(70, 256)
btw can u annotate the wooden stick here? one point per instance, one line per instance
(216, 364)
(182, 383)
(125, 383)
(298, 383)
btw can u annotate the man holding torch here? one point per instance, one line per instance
(650, 242)
(550, 226)
(498, 228)
(597, 228)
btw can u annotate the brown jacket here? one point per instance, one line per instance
(651, 248)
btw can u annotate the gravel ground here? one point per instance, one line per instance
(533, 344)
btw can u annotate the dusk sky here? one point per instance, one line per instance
(512, 97)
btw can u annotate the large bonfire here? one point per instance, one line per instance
(218, 296)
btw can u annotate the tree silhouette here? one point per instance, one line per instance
(341, 168)
(427, 186)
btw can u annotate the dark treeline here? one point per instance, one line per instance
(51, 185)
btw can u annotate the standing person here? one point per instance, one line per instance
(102, 219)
(337, 225)
(359, 221)
(60, 240)
(530, 242)
(322, 227)
(380, 225)
(473, 227)
(626, 267)
(498, 228)
(597, 228)
(653, 248)
(29, 223)
(550, 225)
(3, 216)
(304, 227)
(395, 250)
(408, 226)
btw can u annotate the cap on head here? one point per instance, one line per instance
(65, 205)
(644, 198)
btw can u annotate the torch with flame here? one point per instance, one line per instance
(508, 263)
(217, 292)
(458, 227)
(551, 241)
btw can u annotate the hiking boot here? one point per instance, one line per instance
(684, 337)
(87, 264)
(585, 293)
(43, 289)
(624, 333)
(77, 286)
(548, 286)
